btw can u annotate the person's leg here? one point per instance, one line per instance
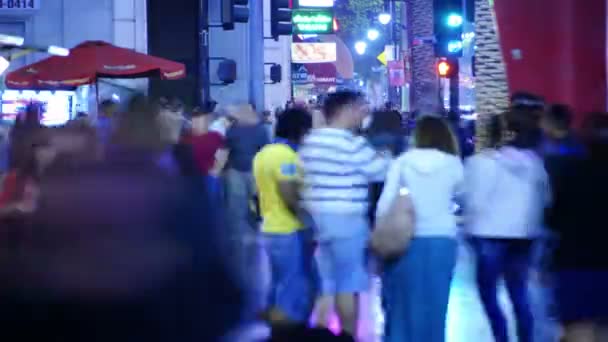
(580, 332)
(397, 316)
(351, 279)
(407, 295)
(273, 247)
(442, 260)
(517, 270)
(601, 332)
(238, 190)
(323, 309)
(347, 307)
(490, 266)
(290, 298)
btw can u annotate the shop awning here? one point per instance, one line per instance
(89, 61)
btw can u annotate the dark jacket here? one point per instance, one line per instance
(578, 212)
(244, 142)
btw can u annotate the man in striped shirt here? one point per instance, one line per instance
(338, 168)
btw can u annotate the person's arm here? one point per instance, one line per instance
(288, 176)
(391, 189)
(478, 172)
(373, 164)
(221, 158)
(264, 137)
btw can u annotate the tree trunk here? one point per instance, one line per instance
(492, 93)
(424, 92)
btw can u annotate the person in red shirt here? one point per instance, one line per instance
(208, 145)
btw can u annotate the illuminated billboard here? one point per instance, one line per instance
(313, 20)
(316, 3)
(313, 53)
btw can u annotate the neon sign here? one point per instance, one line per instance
(316, 3)
(307, 21)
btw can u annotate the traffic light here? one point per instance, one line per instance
(234, 11)
(276, 73)
(449, 18)
(446, 68)
(280, 18)
(226, 71)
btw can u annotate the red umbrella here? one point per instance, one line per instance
(89, 61)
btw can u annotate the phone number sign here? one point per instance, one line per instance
(19, 5)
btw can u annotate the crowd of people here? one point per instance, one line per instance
(142, 225)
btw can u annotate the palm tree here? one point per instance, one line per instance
(424, 87)
(492, 93)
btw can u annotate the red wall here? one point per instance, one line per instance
(563, 50)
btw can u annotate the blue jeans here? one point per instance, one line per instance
(239, 190)
(215, 189)
(293, 287)
(508, 258)
(416, 291)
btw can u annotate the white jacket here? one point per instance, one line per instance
(506, 191)
(434, 179)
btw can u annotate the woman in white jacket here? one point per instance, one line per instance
(416, 286)
(506, 192)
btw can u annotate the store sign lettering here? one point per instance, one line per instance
(299, 74)
(308, 21)
(19, 5)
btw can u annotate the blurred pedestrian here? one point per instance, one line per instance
(416, 286)
(560, 139)
(385, 134)
(580, 259)
(507, 190)
(123, 251)
(338, 168)
(245, 136)
(106, 120)
(287, 240)
(244, 139)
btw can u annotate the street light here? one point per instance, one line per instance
(384, 18)
(373, 34)
(360, 47)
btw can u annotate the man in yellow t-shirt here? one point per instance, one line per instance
(277, 177)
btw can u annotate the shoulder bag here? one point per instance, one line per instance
(394, 229)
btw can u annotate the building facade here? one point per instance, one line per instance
(68, 23)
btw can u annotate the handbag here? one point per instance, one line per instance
(394, 229)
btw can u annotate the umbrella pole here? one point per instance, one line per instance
(97, 96)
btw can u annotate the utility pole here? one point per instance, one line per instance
(203, 80)
(392, 40)
(455, 86)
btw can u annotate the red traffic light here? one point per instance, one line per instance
(444, 68)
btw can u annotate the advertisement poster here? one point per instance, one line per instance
(396, 73)
(313, 52)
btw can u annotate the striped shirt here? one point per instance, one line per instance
(338, 167)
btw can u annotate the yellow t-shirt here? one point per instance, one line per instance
(273, 164)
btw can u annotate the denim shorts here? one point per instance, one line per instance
(341, 256)
(293, 281)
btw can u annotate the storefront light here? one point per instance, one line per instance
(4, 64)
(58, 51)
(11, 40)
